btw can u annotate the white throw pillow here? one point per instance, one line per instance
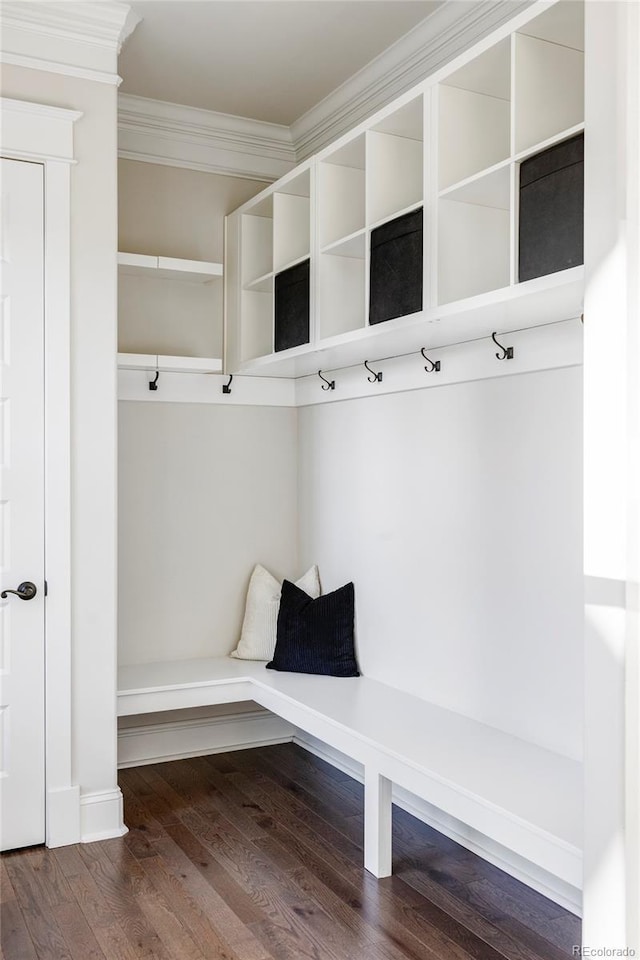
(260, 624)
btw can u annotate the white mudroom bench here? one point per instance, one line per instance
(520, 795)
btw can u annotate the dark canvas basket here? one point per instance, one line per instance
(395, 283)
(292, 307)
(551, 231)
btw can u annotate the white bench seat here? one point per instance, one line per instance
(522, 796)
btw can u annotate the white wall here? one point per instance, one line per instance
(457, 512)
(612, 458)
(175, 212)
(93, 423)
(206, 491)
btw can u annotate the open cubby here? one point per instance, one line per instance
(153, 291)
(147, 311)
(291, 222)
(474, 246)
(341, 299)
(395, 162)
(341, 206)
(474, 116)
(257, 246)
(256, 336)
(549, 75)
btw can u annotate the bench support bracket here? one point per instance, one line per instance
(377, 824)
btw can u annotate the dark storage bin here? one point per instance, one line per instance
(552, 210)
(395, 280)
(292, 307)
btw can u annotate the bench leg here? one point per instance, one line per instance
(377, 824)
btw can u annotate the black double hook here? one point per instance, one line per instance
(507, 352)
(433, 365)
(226, 387)
(375, 377)
(326, 384)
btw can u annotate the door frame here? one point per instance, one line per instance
(43, 134)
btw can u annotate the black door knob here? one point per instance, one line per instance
(26, 591)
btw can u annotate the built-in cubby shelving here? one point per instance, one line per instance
(451, 148)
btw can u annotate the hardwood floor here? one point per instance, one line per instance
(257, 855)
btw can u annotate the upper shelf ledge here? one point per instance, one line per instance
(168, 268)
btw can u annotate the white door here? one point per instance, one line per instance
(22, 783)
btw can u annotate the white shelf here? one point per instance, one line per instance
(291, 263)
(353, 245)
(261, 284)
(151, 362)
(168, 268)
(468, 182)
(545, 144)
(397, 213)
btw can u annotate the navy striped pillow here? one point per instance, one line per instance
(315, 636)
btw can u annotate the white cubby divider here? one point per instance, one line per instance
(452, 146)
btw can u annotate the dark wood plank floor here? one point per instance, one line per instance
(257, 855)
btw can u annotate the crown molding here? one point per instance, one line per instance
(450, 30)
(170, 134)
(79, 39)
(105, 24)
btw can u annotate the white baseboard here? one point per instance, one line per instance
(101, 816)
(562, 893)
(179, 739)
(63, 816)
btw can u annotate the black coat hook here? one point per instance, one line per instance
(433, 365)
(153, 384)
(327, 384)
(226, 387)
(377, 377)
(507, 352)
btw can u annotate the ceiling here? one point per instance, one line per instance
(270, 60)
